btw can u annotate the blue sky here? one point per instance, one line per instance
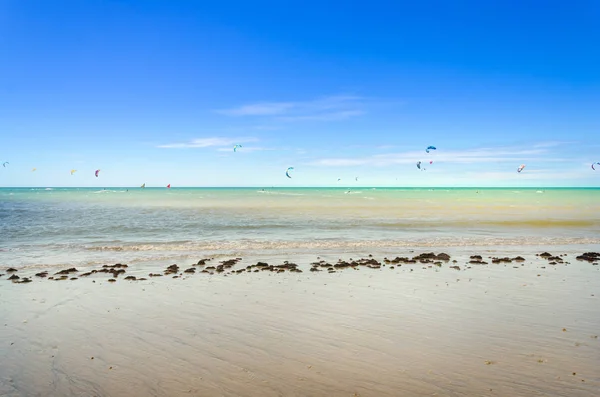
(160, 91)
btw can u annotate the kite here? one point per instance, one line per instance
(356, 179)
(33, 169)
(73, 171)
(521, 167)
(430, 148)
(287, 172)
(143, 186)
(235, 147)
(96, 173)
(418, 164)
(169, 186)
(339, 179)
(594, 165)
(4, 164)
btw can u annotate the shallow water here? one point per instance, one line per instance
(63, 226)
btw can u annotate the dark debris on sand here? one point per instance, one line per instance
(506, 259)
(426, 258)
(226, 267)
(173, 269)
(67, 271)
(552, 259)
(262, 266)
(589, 257)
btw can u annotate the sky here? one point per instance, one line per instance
(159, 92)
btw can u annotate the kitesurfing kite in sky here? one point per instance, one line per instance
(418, 164)
(143, 186)
(521, 167)
(287, 172)
(73, 171)
(97, 172)
(33, 169)
(593, 164)
(5, 163)
(430, 148)
(169, 186)
(235, 147)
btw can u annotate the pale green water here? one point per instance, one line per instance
(65, 226)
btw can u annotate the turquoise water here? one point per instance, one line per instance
(79, 226)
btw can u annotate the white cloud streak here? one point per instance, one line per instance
(259, 109)
(469, 156)
(208, 142)
(332, 108)
(330, 116)
(245, 149)
(550, 144)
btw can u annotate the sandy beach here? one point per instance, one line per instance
(453, 327)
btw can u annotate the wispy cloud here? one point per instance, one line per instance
(266, 128)
(332, 108)
(208, 142)
(330, 116)
(549, 144)
(259, 109)
(468, 156)
(246, 149)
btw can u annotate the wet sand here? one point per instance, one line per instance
(520, 328)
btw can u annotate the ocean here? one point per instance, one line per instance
(46, 227)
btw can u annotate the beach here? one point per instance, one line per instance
(346, 291)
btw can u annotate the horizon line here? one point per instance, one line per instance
(302, 187)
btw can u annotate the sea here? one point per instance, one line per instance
(52, 227)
